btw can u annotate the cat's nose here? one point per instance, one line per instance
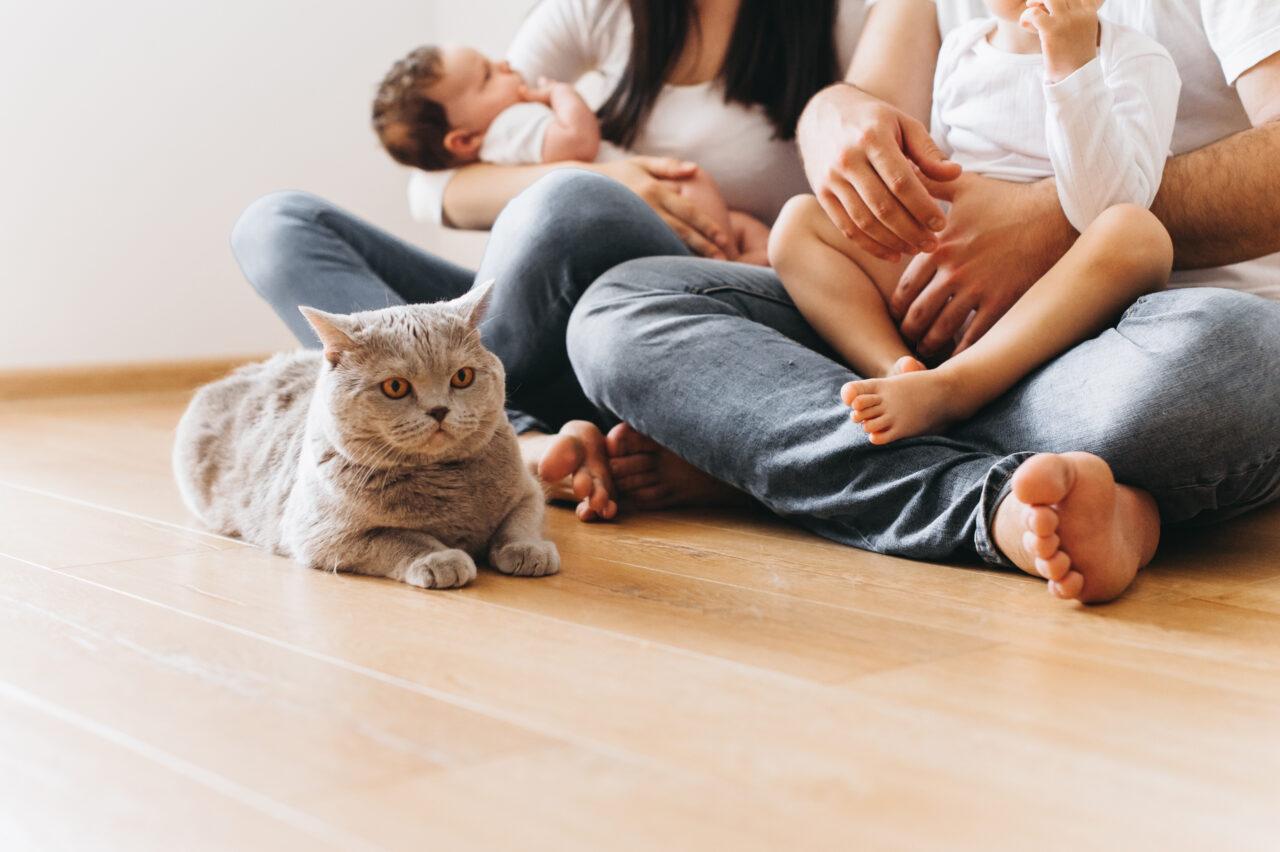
(439, 413)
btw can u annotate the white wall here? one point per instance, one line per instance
(133, 132)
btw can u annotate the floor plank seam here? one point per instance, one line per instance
(477, 707)
(205, 777)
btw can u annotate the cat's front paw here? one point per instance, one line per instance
(444, 569)
(526, 559)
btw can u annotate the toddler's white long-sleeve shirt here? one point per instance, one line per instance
(1104, 132)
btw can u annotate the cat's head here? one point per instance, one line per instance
(409, 384)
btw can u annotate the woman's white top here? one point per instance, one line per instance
(1212, 43)
(570, 39)
(1103, 132)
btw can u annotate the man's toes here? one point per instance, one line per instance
(1069, 587)
(623, 440)
(1041, 520)
(855, 389)
(1043, 479)
(1055, 567)
(1040, 546)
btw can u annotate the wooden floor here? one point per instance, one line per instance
(691, 680)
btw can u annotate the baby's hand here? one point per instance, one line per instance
(540, 95)
(1068, 34)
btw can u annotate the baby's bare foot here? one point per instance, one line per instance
(574, 465)
(911, 400)
(649, 476)
(1068, 521)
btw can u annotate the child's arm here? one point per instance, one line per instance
(1108, 133)
(574, 132)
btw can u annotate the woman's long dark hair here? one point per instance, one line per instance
(781, 53)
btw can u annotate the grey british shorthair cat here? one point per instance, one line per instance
(387, 454)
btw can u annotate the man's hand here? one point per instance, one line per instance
(1001, 238)
(1068, 32)
(858, 155)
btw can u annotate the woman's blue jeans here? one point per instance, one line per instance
(1182, 397)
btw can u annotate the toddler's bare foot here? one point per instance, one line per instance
(574, 465)
(1068, 521)
(911, 400)
(649, 476)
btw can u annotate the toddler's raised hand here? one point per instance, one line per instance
(1068, 32)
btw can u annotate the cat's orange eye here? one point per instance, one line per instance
(396, 387)
(463, 378)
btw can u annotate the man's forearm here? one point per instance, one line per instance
(1221, 203)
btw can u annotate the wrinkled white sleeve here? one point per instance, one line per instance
(1109, 134)
(515, 137)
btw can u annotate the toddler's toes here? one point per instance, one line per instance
(867, 414)
(855, 389)
(1041, 520)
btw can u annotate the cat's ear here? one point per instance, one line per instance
(475, 304)
(333, 331)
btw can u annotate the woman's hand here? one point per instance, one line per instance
(652, 179)
(858, 154)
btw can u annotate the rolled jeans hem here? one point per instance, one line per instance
(995, 488)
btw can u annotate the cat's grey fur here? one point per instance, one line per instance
(306, 455)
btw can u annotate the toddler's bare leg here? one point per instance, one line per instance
(840, 290)
(1125, 252)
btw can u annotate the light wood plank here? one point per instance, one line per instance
(77, 380)
(67, 786)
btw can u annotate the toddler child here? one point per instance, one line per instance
(1042, 89)
(444, 107)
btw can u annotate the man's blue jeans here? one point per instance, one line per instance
(712, 360)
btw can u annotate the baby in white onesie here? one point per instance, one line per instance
(443, 107)
(1041, 89)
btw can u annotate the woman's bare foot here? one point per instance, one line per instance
(573, 465)
(1068, 521)
(649, 476)
(912, 400)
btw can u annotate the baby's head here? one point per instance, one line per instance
(434, 106)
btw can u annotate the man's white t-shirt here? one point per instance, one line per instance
(569, 39)
(1212, 42)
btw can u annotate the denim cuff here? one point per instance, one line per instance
(522, 423)
(995, 489)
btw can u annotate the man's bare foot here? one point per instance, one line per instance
(573, 465)
(1068, 521)
(649, 476)
(912, 400)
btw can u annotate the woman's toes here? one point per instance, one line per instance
(1055, 567)
(634, 465)
(1069, 587)
(624, 440)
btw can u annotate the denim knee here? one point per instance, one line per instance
(260, 238)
